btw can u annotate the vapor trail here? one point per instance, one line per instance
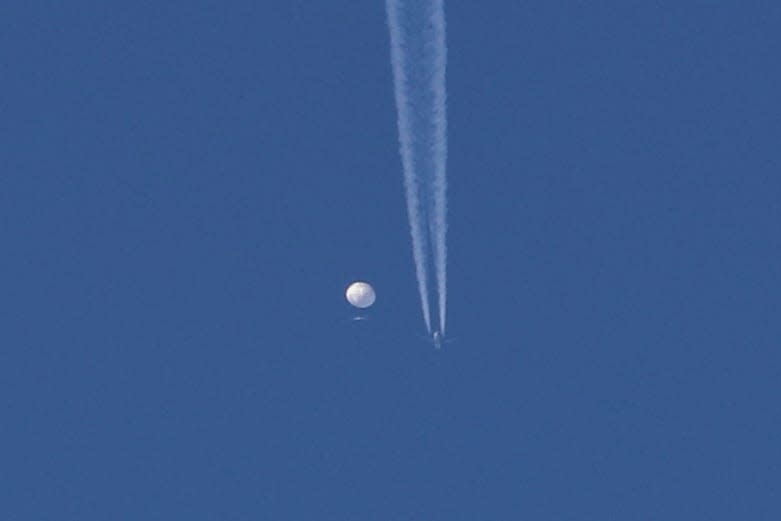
(418, 57)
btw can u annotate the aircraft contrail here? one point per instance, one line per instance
(418, 58)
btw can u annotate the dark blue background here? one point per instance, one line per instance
(187, 187)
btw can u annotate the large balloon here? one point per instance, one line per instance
(360, 294)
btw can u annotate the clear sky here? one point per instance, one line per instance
(186, 188)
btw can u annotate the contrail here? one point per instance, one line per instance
(418, 57)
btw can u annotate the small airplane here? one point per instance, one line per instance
(437, 338)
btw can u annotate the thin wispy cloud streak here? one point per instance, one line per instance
(418, 59)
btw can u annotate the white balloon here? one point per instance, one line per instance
(360, 294)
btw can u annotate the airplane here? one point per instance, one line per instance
(437, 338)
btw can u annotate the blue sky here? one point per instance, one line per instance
(188, 187)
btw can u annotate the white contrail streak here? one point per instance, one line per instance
(418, 57)
(439, 182)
